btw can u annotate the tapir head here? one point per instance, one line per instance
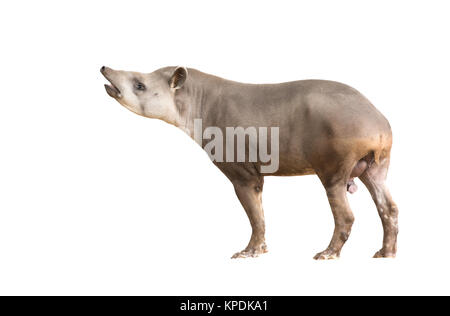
(147, 94)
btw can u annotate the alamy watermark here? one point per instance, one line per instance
(236, 151)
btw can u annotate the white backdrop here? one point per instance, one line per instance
(97, 200)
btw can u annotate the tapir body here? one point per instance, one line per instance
(325, 128)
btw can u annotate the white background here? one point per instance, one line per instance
(97, 200)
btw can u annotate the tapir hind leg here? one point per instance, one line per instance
(374, 179)
(343, 220)
(335, 180)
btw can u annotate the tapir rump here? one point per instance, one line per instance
(321, 127)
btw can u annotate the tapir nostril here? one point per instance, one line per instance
(103, 68)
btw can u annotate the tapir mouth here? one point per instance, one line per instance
(111, 89)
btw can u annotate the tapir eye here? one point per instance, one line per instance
(139, 86)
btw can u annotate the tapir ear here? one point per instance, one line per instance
(178, 78)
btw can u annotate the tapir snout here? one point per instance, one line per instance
(111, 88)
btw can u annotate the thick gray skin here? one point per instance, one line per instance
(325, 128)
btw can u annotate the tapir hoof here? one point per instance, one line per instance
(327, 255)
(383, 254)
(252, 252)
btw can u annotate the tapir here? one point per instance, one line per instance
(325, 128)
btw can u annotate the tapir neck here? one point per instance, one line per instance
(189, 101)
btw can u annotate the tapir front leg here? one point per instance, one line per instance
(249, 193)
